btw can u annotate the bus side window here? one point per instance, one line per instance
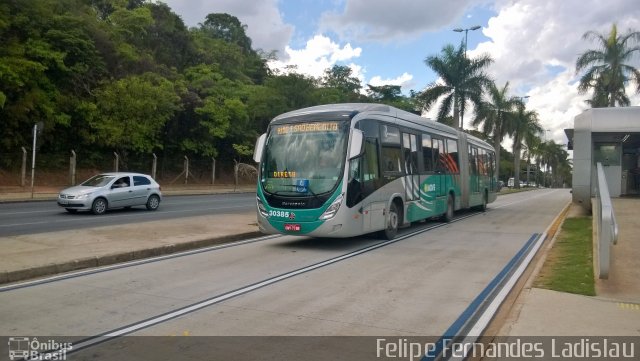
(410, 153)
(427, 153)
(391, 149)
(480, 159)
(452, 155)
(438, 146)
(473, 169)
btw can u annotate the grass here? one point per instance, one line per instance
(569, 263)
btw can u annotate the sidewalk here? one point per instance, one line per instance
(35, 255)
(615, 311)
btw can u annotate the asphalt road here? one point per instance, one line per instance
(20, 218)
(286, 286)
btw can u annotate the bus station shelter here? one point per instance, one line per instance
(610, 136)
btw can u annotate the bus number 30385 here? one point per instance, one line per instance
(279, 214)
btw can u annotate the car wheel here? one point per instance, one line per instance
(99, 206)
(392, 225)
(153, 202)
(448, 216)
(71, 210)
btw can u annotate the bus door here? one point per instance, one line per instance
(429, 178)
(368, 173)
(412, 177)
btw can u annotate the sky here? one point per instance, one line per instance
(534, 43)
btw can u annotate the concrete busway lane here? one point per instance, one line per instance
(95, 303)
(416, 286)
(19, 218)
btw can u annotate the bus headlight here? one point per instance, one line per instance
(332, 209)
(261, 208)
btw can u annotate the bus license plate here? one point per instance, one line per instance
(292, 227)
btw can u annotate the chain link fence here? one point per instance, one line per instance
(73, 168)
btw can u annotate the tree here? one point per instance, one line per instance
(556, 159)
(168, 38)
(525, 124)
(532, 147)
(392, 95)
(131, 112)
(297, 90)
(222, 40)
(607, 69)
(495, 115)
(461, 81)
(228, 28)
(340, 77)
(384, 93)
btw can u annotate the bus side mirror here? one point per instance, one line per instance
(257, 151)
(357, 143)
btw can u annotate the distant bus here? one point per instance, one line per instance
(342, 170)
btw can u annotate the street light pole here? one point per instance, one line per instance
(466, 33)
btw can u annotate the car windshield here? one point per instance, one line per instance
(304, 158)
(98, 181)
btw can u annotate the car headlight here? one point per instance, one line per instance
(83, 196)
(261, 208)
(332, 209)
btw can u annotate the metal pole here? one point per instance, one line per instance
(72, 167)
(235, 171)
(213, 172)
(186, 169)
(154, 166)
(33, 157)
(23, 179)
(466, 38)
(116, 161)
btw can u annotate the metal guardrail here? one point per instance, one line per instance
(606, 225)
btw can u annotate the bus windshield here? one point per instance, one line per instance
(304, 159)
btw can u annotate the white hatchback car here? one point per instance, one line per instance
(112, 190)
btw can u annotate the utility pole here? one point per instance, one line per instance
(466, 33)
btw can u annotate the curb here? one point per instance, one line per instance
(510, 305)
(114, 258)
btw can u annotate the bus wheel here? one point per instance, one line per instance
(392, 225)
(448, 216)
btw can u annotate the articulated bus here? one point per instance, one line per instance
(343, 170)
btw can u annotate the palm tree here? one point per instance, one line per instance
(525, 123)
(558, 162)
(607, 68)
(532, 145)
(462, 79)
(494, 114)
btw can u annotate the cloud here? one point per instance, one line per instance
(535, 45)
(405, 81)
(384, 20)
(319, 54)
(265, 25)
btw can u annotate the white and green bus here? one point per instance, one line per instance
(342, 170)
